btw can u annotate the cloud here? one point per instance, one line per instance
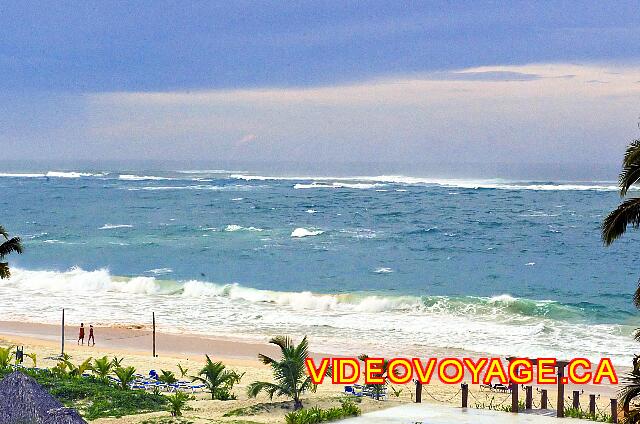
(246, 139)
(528, 113)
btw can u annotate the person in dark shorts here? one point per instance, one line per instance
(81, 335)
(91, 337)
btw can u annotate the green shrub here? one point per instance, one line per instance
(126, 376)
(95, 398)
(177, 402)
(6, 355)
(316, 415)
(167, 377)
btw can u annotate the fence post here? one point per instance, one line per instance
(465, 395)
(614, 410)
(418, 392)
(514, 398)
(592, 405)
(153, 315)
(528, 399)
(576, 399)
(560, 403)
(544, 399)
(62, 351)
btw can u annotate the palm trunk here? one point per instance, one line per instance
(297, 403)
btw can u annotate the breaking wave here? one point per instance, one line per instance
(340, 323)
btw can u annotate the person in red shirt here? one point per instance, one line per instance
(81, 335)
(91, 337)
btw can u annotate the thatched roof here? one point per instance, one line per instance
(24, 401)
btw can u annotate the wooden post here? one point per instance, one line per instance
(62, 337)
(528, 402)
(576, 399)
(465, 395)
(560, 404)
(514, 398)
(418, 392)
(614, 410)
(154, 333)
(544, 399)
(592, 405)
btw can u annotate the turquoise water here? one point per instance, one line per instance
(491, 265)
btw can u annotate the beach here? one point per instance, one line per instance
(134, 345)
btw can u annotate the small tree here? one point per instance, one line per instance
(116, 362)
(218, 379)
(34, 358)
(177, 402)
(125, 375)
(183, 371)
(167, 377)
(6, 355)
(289, 372)
(102, 367)
(77, 371)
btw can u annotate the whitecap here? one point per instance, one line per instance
(114, 226)
(383, 270)
(303, 232)
(234, 227)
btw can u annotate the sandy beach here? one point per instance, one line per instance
(189, 350)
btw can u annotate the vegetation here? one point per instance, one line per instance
(9, 245)
(614, 226)
(177, 403)
(289, 372)
(94, 398)
(6, 356)
(183, 370)
(249, 410)
(167, 377)
(572, 412)
(378, 389)
(34, 358)
(317, 415)
(125, 375)
(76, 371)
(102, 367)
(218, 379)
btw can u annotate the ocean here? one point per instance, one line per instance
(384, 265)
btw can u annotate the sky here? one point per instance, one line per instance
(320, 81)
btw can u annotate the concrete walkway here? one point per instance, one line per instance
(440, 414)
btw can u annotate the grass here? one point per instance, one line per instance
(579, 413)
(250, 410)
(316, 415)
(94, 398)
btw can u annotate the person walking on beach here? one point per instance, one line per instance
(91, 338)
(81, 335)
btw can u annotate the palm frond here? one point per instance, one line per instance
(283, 342)
(255, 388)
(266, 360)
(615, 224)
(9, 246)
(4, 232)
(4, 271)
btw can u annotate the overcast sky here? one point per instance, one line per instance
(320, 81)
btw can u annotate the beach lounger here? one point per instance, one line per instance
(499, 387)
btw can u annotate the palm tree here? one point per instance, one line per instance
(102, 367)
(630, 391)
(9, 245)
(628, 212)
(289, 372)
(614, 226)
(126, 376)
(218, 379)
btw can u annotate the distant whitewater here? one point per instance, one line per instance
(387, 264)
